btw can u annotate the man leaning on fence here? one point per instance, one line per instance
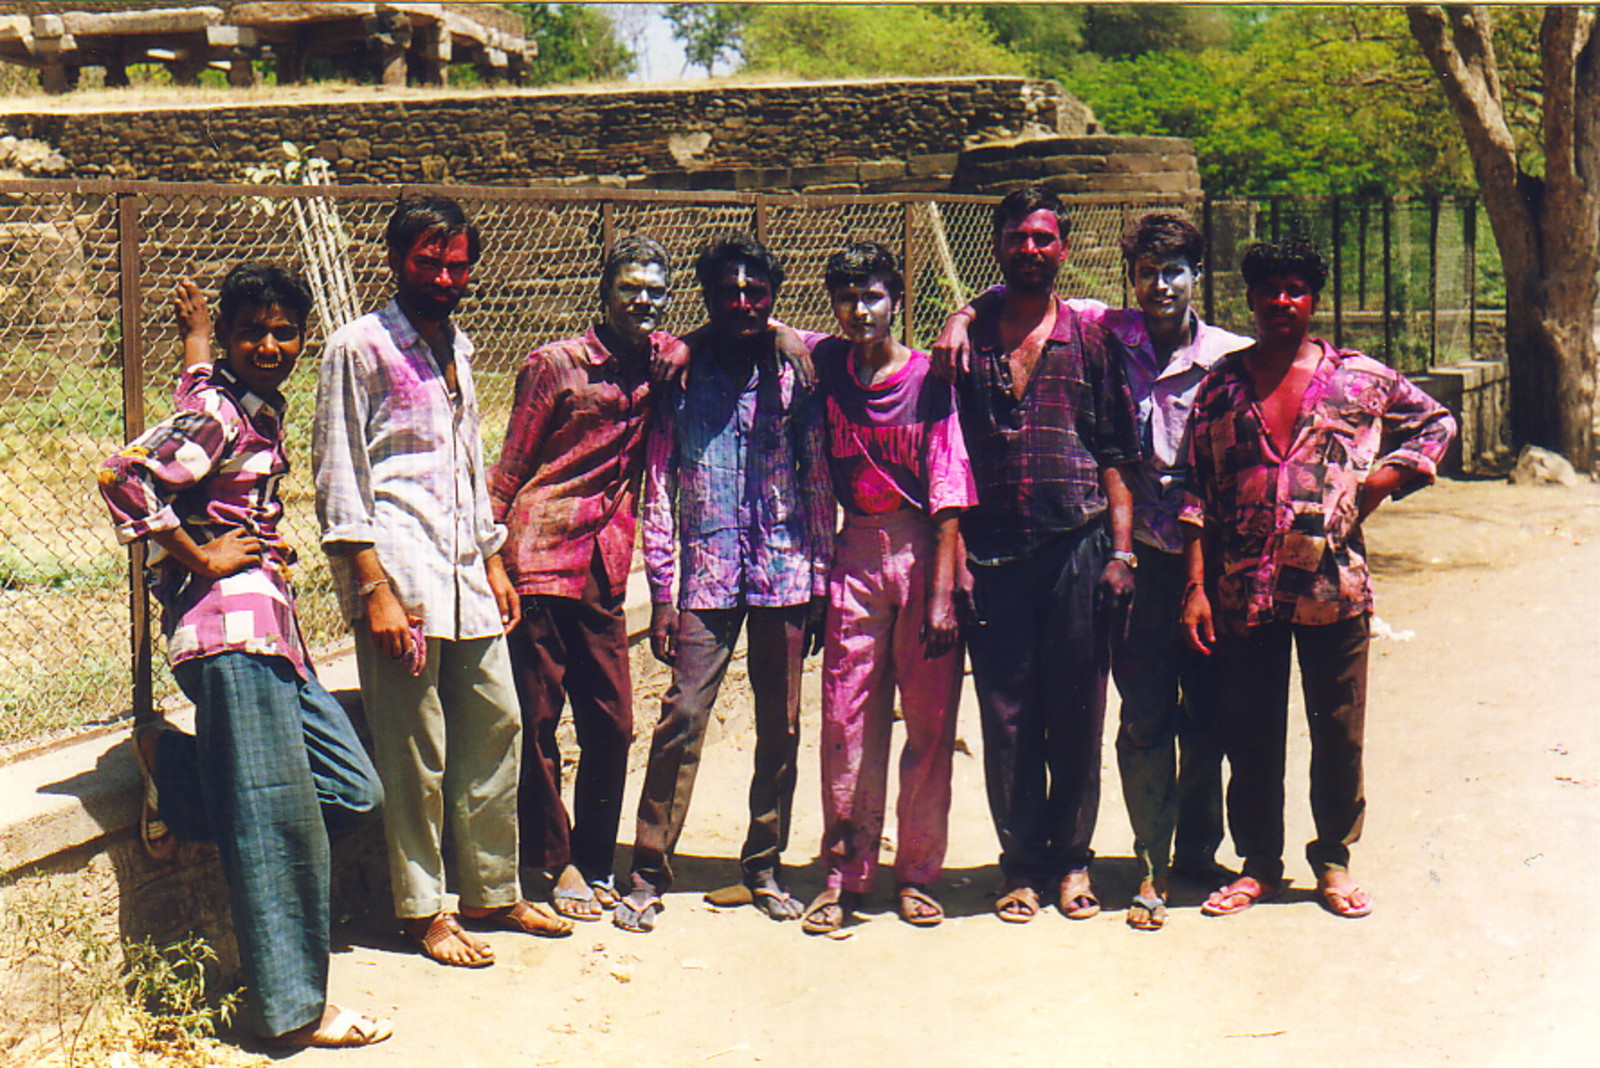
(274, 763)
(405, 514)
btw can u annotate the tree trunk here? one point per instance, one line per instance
(1548, 228)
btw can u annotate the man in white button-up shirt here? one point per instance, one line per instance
(406, 520)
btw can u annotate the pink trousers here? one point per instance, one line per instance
(878, 595)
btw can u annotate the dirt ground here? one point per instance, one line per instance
(1481, 842)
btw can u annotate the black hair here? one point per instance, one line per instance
(262, 285)
(1294, 255)
(632, 248)
(736, 247)
(1020, 203)
(1163, 235)
(861, 262)
(417, 215)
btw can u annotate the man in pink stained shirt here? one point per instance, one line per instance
(900, 472)
(567, 489)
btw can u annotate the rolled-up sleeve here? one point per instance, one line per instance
(340, 465)
(1417, 430)
(816, 490)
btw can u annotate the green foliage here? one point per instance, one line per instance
(577, 43)
(171, 985)
(1307, 100)
(1125, 31)
(830, 40)
(709, 32)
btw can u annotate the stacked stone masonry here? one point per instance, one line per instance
(905, 135)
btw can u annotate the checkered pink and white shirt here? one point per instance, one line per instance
(212, 467)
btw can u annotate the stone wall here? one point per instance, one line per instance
(622, 136)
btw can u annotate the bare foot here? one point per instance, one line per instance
(1239, 895)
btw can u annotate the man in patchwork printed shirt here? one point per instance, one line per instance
(274, 763)
(1295, 443)
(738, 533)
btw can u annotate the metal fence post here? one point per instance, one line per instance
(1338, 274)
(1469, 241)
(761, 219)
(1388, 293)
(129, 205)
(908, 302)
(1433, 279)
(608, 227)
(1211, 247)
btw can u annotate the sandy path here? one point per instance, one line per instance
(1481, 840)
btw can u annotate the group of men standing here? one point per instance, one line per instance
(1070, 490)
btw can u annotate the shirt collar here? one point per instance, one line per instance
(253, 403)
(406, 337)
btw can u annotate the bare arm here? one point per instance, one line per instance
(1198, 625)
(939, 630)
(193, 320)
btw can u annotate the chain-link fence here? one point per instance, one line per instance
(89, 353)
(1411, 282)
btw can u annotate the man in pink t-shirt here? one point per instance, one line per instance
(900, 472)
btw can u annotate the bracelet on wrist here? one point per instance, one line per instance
(366, 589)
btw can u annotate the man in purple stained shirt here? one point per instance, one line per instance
(1050, 429)
(1295, 443)
(566, 488)
(738, 529)
(1169, 749)
(274, 763)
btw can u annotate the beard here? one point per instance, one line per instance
(1029, 279)
(430, 307)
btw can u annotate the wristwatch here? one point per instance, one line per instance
(1126, 557)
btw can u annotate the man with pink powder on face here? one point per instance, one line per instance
(901, 475)
(407, 524)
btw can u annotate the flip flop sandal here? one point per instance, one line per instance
(1218, 904)
(910, 894)
(1147, 912)
(1079, 905)
(605, 892)
(441, 929)
(639, 918)
(160, 844)
(1338, 902)
(1017, 904)
(347, 1030)
(524, 917)
(566, 902)
(771, 901)
(826, 915)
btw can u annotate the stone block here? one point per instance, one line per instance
(877, 170)
(832, 189)
(937, 163)
(825, 174)
(1073, 164)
